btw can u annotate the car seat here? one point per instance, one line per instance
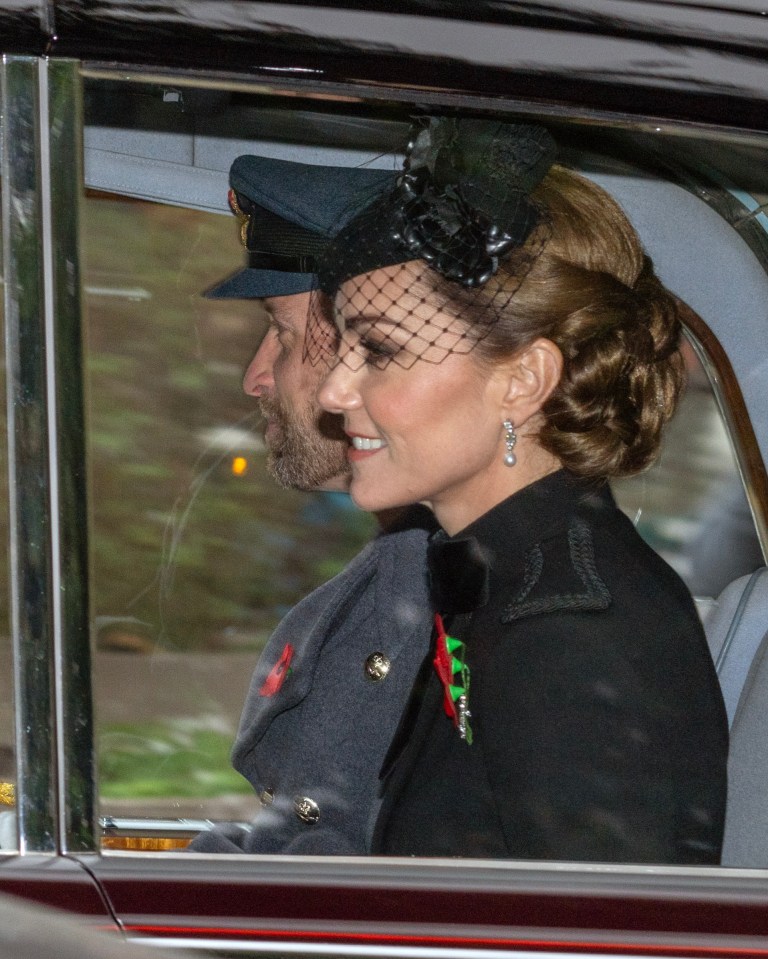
(737, 632)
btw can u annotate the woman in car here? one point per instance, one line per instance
(506, 349)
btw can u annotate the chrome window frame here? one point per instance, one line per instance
(42, 183)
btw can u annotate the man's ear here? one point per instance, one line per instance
(530, 378)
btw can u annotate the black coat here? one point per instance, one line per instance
(598, 726)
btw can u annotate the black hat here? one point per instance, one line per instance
(462, 205)
(290, 212)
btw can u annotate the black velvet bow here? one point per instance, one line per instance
(458, 574)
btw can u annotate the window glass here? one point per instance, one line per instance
(196, 552)
(691, 506)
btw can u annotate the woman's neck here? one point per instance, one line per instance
(455, 512)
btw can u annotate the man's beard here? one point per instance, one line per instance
(306, 451)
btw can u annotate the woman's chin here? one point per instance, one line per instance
(372, 500)
(368, 502)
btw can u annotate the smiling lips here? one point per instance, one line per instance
(366, 443)
(363, 446)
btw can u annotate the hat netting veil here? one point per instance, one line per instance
(415, 275)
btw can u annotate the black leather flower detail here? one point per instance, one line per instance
(464, 197)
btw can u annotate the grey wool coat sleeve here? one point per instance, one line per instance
(315, 726)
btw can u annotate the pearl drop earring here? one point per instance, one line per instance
(509, 442)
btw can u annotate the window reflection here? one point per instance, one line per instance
(691, 507)
(196, 553)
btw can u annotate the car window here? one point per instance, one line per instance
(196, 553)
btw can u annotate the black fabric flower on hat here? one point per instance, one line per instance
(460, 207)
(461, 203)
(464, 194)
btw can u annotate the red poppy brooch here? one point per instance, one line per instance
(277, 674)
(454, 675)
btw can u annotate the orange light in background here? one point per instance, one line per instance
(239, 465)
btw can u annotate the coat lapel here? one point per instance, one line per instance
(540, 593)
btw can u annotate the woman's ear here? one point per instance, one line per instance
(531, 376)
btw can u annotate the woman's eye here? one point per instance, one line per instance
(378, 352)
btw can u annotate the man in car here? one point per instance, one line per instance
(329, 688)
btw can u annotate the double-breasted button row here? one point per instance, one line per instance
(306, 809)
(377, 666)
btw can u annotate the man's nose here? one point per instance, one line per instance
(260, 373)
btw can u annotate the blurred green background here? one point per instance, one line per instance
(203, 557)
(193, 563)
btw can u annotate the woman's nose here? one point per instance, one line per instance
(338, 392)
(260, 373)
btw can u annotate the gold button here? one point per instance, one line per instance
(377, 665)
(267, 796)
(306, 809)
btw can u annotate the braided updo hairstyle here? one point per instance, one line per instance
(593, 292)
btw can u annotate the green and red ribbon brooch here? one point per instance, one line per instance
(454, 675)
